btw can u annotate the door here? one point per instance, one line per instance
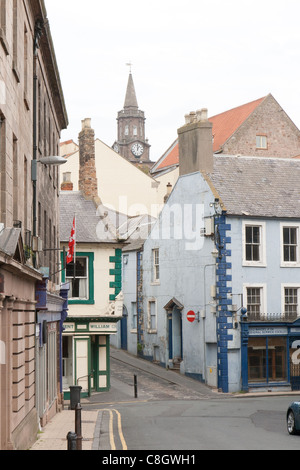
(124, 323)
(175, 336)
(82, 364)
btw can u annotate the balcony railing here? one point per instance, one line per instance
(275, 317)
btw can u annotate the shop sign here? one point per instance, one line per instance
(103, 327)
(69, 327)
(268, 331)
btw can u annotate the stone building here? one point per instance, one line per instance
(260, 128)
(32, 115)
(131, 142)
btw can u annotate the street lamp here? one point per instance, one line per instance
(53, 161)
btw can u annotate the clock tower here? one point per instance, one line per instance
(131, 142)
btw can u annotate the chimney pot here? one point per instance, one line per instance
(86, 123)
(201, 115)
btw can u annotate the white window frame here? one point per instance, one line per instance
(133, 317)
(155, 267)
(290, 285)
(262, 245)
(263, 299)
(69, 279)
(150, 325)
(260, 140)
(290, 264)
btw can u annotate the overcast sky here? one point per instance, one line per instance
(216, 54)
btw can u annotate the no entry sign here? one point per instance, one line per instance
(191, 316)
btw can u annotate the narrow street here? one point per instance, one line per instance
(175, 413)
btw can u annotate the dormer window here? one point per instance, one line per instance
(261, 142)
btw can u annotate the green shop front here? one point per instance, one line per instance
(91, 320)
(85, 354)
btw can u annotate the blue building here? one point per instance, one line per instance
(226, 241)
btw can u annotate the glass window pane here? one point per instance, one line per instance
(277, 359)
(257, 360)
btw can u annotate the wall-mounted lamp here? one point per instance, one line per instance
(53, 160)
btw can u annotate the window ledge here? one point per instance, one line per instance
(254, 264)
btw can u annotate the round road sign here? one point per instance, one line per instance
(191, 316)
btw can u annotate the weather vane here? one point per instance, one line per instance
(129, 64)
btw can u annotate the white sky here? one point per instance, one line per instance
(216, 54)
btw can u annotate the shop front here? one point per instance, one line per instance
(86, 358)
(270, 357)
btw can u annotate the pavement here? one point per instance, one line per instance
(54, 435)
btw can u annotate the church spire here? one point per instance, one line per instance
(130, 99)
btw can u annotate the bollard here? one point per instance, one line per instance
(135, 387)
(74, 396)
(78, 426)
(72, 440)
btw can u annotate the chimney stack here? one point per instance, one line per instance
(87, 166)
(195, 143)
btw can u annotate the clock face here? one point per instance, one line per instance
(137, 150)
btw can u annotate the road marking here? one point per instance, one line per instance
(111, 429)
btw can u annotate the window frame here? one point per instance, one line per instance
(90, 279)
(289, 264)
(261, 262)
(150, 328)
(263, 296)
(285, 286)
(259, 140)
(155, 266)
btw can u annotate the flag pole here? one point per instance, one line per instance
(75, 249)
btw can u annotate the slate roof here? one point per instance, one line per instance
(91, 224)
(257, 186)
(136, 231)
(100, 224)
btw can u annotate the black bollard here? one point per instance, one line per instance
(74, 396)
(135, 387)
(78, 426)
(72, 440)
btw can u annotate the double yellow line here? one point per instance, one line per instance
(111, 429)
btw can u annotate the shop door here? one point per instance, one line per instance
(82, 364)
(124, 331)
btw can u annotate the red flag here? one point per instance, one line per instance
(72, 240)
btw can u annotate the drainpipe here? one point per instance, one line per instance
(37, 36)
